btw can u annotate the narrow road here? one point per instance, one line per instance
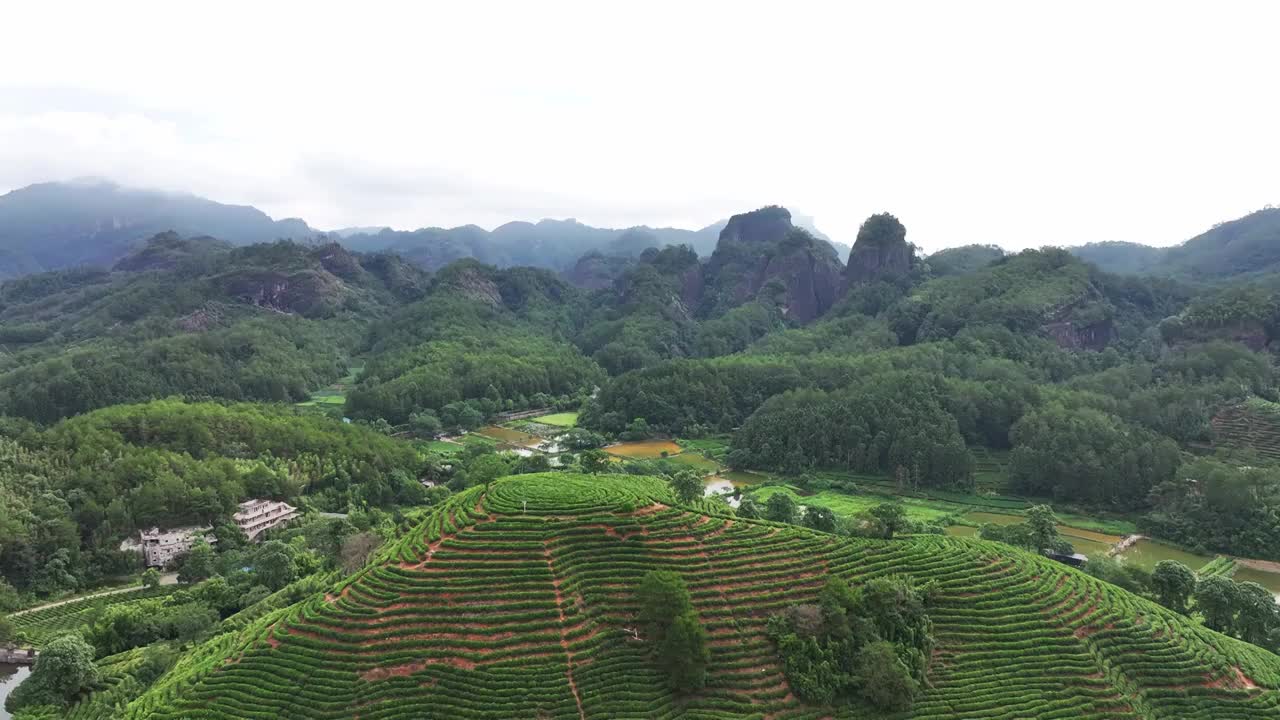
(165, 579)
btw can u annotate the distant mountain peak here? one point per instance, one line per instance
(96, 222)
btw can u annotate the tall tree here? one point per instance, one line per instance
(63, 670)
(687, 486)
(275, 564)
(678, 640)
(200, 564)
(780, 508)
(685, 653)
(892, 517)
(662, 596)
(1216, 599)
(1043, 525)
(1174, 584)
(819, 518)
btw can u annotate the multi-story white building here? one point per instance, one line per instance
(162, 547)
(257, 516)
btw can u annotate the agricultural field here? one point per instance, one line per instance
(683, 452)
(335, 394)
(696, 461)
(1253, 425)
(1000, 509)
(645, 450)
(518, 602)
(117, 686)
(443, 447)
(714, 448)
(561, 420)
(845, 504)
(41, 625)
(509, 436)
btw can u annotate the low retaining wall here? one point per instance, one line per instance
(18, 656)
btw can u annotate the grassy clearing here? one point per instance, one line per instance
(1101, 525)
(695, 461)
(972, 509)
(324, 397)
(982, 502)
(846, 505)
(477, 439)
(335, 394)
(443, 448)
(564, 419)
(715, 448)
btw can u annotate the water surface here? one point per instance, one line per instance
(10, 676)
(1268, 580)
(1147, 552)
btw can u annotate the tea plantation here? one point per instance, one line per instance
(517, 602)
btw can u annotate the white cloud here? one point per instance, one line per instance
(1016, 123)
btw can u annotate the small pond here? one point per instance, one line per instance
(1085, 546)
(1147, 552)
(1268, 580)
(1076, 536)
(10, 676)
(720, 486)
(742, 478)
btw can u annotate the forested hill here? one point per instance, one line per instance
(529, 598)
(192, 317)
(553, 244)
(1246, 246)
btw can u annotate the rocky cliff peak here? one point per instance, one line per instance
(758, 247)
(766, 225)
(881, 250)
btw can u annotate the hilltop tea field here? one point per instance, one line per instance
(517, 601)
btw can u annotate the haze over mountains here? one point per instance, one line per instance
(94, 222)
(51, 226)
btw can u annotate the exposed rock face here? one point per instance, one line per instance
(809, 271)
(692, 286)
(596, 271)
(167, 250)
(758, 247)
(310, 293)
(201, 319)
(337, 260)
(475, 284)
(763, 226)
(881, 250)
(1250, 333)
(1095, 336)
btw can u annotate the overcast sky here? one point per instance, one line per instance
(1016, 123)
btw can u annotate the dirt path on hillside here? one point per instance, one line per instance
(165, 579)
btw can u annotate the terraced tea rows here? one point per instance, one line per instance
(517, 603)
(1241, 426)
(41, 625)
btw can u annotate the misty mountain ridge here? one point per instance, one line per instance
(1246, 245)
(92, 222)
(95, 222)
